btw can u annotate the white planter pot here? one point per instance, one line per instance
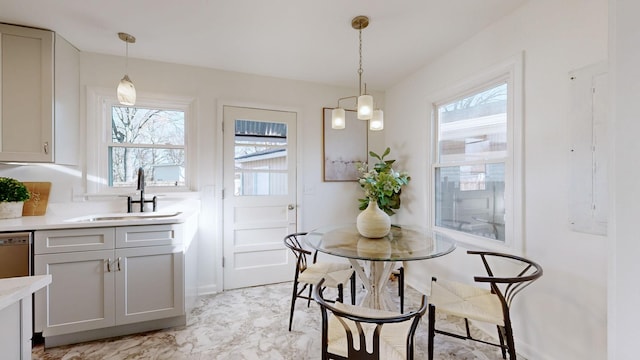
(372, 222)
(11, 209)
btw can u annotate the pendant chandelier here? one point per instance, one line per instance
(126, 90)
(364, 102)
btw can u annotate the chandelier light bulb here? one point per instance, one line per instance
(365, 107)
(377, 121)
(338, 118)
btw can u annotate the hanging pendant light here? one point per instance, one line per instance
(126, 90)
(364, 101)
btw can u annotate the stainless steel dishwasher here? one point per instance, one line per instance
(15, 254)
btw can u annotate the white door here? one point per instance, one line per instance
(259, 195)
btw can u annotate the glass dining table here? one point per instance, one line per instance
(375, 259)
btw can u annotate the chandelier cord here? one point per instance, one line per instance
(360, 71)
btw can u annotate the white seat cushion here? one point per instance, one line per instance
(393, 338)
(466, 301)
(333, 273)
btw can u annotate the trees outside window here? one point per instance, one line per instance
(146, 137)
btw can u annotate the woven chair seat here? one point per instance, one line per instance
(333, 273)
(466, 301)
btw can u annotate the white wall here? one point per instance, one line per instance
(563, 315)
(624, 268)
(211, 89)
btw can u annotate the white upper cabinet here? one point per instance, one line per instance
(39, 97)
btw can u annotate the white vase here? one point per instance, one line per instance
(372, 222)
(11, 209)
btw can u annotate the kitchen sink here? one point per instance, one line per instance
(124, 216)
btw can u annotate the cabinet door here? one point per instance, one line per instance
(26, 73)
(149, 283)
(80, 296)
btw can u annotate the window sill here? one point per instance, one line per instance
(473, 242)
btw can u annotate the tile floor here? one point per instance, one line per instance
(249, 324)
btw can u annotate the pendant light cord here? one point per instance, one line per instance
(126, 62)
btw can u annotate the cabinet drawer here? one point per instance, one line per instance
(68, 240)
(151, 235)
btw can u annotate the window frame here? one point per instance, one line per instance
(99, 103)
(510, 72)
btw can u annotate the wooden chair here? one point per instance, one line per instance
(354, 332)
(308, 274)
(481, 304)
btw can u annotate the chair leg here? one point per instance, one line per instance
(510, 343)
(309, 297)
(293, 303)
(340, 292)
(401, 288)
(501, 338)
(431, 331)
(353, 288)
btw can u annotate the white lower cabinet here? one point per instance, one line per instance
(106, 288)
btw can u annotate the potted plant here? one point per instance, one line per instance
(382, 183)
(382, 186)
(13, 194)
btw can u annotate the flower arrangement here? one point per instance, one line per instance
(13, 190)
(382, 183)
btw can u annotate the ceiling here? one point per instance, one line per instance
(293, 39)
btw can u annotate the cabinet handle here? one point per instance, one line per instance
(46, 147)
(109, 265)
(119, 264)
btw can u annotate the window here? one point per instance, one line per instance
(476, 178)
(151, 135)
(148, 138)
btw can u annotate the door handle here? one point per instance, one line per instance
(291, 207)
(109, 265)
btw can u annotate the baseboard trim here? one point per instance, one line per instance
(65, 339)
(208, 290)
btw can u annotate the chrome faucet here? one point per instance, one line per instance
(142, 200)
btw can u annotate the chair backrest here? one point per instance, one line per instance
(363, 324)
(522, 273)
(293, 243)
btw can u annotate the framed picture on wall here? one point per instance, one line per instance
(343, 149)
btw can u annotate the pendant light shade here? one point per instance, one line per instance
(337, 118)
(126, 91)
(377, 120)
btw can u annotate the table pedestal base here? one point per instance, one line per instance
(374, 283)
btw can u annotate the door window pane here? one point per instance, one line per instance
(260, 158)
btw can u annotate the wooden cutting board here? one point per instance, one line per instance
(37, 205)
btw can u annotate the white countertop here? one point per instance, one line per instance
(56, 221)
(15, 288)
